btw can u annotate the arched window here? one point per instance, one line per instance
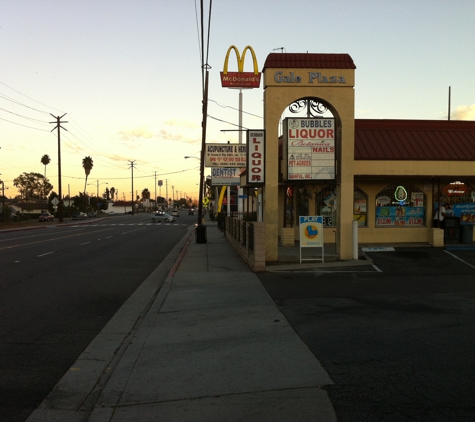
(326, 204)
(400, 206)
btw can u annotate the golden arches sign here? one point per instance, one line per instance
(240, 79)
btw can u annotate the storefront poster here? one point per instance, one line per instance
(466, 212)
(399, 216)
(311, 231)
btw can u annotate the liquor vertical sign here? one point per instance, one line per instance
(255, 157)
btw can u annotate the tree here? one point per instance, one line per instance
(145, 194)
(32, 185)
(45, 161)
(87, 165)
(112, 192)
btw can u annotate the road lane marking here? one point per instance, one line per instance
(85, 243)
(49, 240)
(47, 253)
(131, 231)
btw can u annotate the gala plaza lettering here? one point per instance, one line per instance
(279, 77)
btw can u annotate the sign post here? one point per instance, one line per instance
(311, 235)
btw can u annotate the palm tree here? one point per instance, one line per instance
(112, 192)
(45, 160)
(87, 166)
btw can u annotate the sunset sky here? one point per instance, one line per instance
(128, 75)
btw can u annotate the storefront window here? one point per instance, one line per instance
(360, 201)
(326, 205)
(400, 206)
(302, 207)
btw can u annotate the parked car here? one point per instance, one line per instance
(78, 216)
(162, 216)
(191, 211)
(111, 212)
(175, 213)
(46, 216)
(91, 214)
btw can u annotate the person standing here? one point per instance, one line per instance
(439, 216)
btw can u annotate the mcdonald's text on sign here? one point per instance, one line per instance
(255, 157)
(240, 79)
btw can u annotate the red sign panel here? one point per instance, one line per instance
(240, 80)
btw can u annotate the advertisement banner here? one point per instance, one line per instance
(311, 231)
(225, 155)
(310, 149)
(466, 212)
(399, 216)
(225, 176)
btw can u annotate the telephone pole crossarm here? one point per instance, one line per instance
(60, 193)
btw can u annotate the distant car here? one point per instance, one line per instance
(46, 216)
(91, 214)
(191, 211)
(162, 216)
(111, 212)
(128, 212)
(175, 213)
(84, 214)
(78, 216)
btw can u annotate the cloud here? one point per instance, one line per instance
(464, 113)
(179, 138)
(127, 135)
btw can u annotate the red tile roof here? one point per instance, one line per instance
(309, 61)
(414, 140)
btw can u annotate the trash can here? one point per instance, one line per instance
(200, 233)
(466, 234)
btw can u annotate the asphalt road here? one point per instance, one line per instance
(397, 338)
(59, 286)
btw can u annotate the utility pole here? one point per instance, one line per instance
(155, 191)
(58, 126)
(131, 166)
(166, 193)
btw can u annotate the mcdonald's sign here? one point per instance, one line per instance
(240, 79)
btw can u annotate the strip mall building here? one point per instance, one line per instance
(388, 175)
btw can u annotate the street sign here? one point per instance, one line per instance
(55, 201)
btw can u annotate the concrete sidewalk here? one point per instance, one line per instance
(200, 340)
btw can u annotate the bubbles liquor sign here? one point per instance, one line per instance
(240, 79)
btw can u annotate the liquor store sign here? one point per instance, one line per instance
(310, 149)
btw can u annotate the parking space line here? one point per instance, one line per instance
(460, 259)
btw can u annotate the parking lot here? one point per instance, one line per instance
(396, 336)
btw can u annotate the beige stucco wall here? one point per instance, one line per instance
(340, 100)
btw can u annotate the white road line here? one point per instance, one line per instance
(460, 259)
(377, 269)
(108, 237)
(47, 253)
(86, 243)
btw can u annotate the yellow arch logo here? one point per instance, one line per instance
(240, 59)
(240, 79)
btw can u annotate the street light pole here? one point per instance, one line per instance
(97, 196)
